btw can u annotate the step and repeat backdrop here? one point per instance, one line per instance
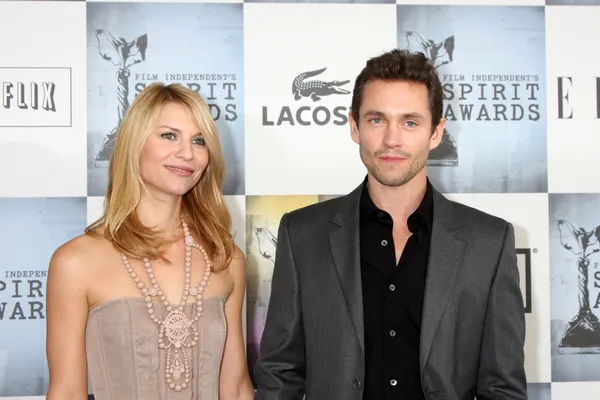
(522, 88)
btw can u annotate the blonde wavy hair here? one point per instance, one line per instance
(203, 208)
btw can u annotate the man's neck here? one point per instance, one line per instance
(400, 201)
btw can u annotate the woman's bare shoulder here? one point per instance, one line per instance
(78, 255)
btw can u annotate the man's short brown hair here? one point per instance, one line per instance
(401, 65)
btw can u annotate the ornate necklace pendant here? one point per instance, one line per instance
(177, 328)
(177, 369)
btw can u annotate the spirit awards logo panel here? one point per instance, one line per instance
(582, 333)
(495, 138)
(35, 97)
(124, 59)
(123, 55)
(574, 221)
(440, 53)
(23, 277)
(309, 89)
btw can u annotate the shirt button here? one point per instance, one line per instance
(384, 242)
(392, 288)
(392, 333)
(356, 384)
(393, 382)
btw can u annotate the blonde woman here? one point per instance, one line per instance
(149, 299)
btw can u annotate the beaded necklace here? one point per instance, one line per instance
(175, 328)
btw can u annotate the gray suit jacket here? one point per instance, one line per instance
(473, 327)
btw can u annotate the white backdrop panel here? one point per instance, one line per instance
(574, 114)
(45, 155)
(302, 145)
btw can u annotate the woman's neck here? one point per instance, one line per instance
(163, 216)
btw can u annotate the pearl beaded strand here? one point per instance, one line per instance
(175, 327)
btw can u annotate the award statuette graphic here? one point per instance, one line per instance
(123, 55)
(267, 243)
(440, 54)
(582, 334)
(259, 294)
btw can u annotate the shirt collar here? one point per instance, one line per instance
(423, 215)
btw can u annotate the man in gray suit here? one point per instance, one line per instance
(394, 291)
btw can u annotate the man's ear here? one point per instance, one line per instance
(437, 134)
(354, 132)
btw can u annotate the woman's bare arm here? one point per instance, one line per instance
(235, 381)
(66, 317)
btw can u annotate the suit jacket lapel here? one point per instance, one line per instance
(445, 257)
(446, 253)
(344, 240)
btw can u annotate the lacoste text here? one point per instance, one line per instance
(307, 115)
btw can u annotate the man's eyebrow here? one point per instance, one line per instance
(375, 113)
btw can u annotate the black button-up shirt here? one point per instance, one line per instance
(393, 299)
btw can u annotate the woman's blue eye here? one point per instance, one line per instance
(172, 136)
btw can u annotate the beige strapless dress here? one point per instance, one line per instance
(125, 362)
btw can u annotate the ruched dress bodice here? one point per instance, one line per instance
(124, 359)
